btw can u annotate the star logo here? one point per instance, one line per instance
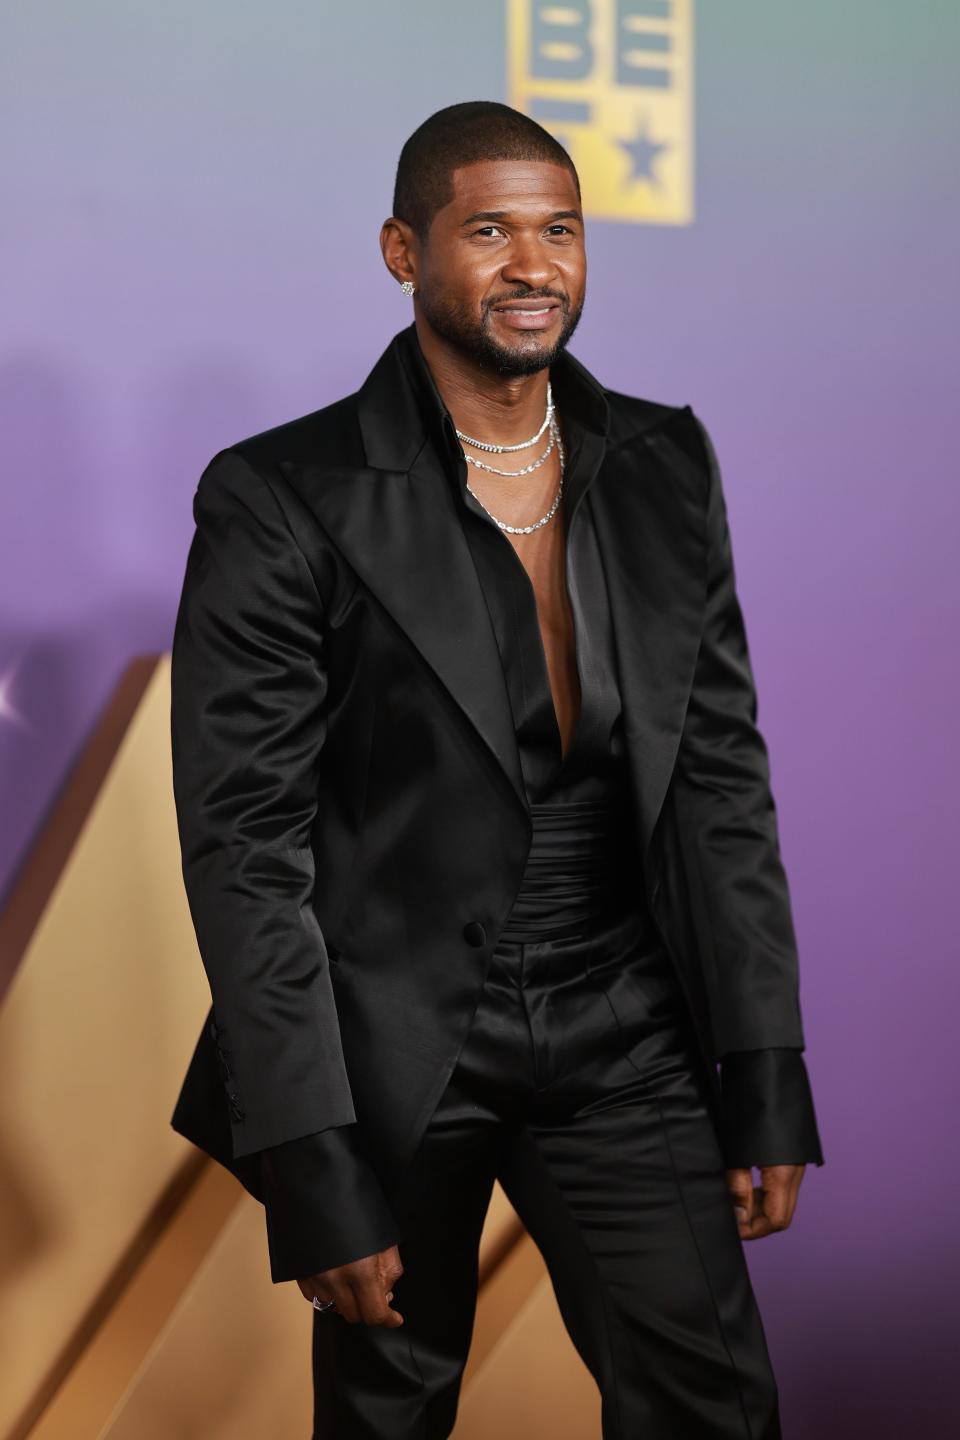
(613, 80)
(643, 152)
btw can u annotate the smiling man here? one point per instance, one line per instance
(479, 841)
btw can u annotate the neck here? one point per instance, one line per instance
(499, 408)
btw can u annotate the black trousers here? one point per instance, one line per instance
(579, 1088)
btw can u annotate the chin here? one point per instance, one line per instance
(527, 356)
(535, 350)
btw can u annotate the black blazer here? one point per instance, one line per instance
(352, 816)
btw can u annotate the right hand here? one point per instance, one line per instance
(361, 1290)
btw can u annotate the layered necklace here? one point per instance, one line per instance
(549, 424)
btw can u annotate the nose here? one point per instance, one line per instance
(529, 263)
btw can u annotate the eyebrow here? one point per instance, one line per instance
(497, 215)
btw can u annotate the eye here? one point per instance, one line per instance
(565, 228)
(484, 228)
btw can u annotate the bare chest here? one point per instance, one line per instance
(543, 556)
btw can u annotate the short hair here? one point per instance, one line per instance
(462, 135)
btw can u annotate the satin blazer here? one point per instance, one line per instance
(351, 809)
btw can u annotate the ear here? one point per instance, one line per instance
(398, 245)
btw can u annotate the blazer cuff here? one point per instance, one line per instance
(324, 1204)
(767, 1108)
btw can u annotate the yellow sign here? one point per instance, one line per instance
(613, 81)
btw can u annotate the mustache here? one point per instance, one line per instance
(558, 295)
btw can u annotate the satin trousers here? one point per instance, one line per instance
(579, 1088)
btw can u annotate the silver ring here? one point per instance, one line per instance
(319, 1304)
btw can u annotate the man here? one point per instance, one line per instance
(479, 842)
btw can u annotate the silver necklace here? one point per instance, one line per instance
(526, 470)
(528, 529)
(524, 444)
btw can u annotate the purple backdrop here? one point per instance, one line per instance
(189, 245)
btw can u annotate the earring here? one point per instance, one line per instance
(408, 287)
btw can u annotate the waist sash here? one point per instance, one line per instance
(582, 869)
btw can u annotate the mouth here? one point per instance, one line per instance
(527, 314)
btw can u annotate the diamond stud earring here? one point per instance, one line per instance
(408, 287)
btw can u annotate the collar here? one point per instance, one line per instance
(400, 408)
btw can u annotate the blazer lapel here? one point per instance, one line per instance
(395, 521)
(653, 547)
(400, 533)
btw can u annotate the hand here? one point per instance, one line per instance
(360, 1290)
(760, 1210)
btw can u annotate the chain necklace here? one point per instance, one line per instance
(524, 444)
(527, 469)
(528, 529)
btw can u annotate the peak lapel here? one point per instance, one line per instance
(400, 533)
(653, 545)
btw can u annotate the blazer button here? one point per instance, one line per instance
(474, 933)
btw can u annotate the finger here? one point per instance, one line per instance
(372, 1304)
(777, 1195)
(794, 1196)
(345, 1302)
(740, 1185)
(775, 1204)
(758, 1224)
(388, 1277)
(790, 1193)
(391, 1270)
(314, 1287)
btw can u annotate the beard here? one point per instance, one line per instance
(472, 335)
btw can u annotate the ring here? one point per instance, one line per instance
(319, 1304)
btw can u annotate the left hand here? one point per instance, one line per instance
(768, 1207)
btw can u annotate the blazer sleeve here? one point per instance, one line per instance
(323, 1204)
(732, 851)
(248, 723)
(767, 1109)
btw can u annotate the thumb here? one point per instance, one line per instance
(740, 1185)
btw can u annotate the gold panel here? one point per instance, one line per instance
(96, 1031)
(135, 1295)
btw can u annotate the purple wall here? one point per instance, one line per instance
(189, 248)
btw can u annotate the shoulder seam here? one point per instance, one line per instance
(285, 519)
(655, 423)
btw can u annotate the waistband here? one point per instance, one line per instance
(583, 869)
